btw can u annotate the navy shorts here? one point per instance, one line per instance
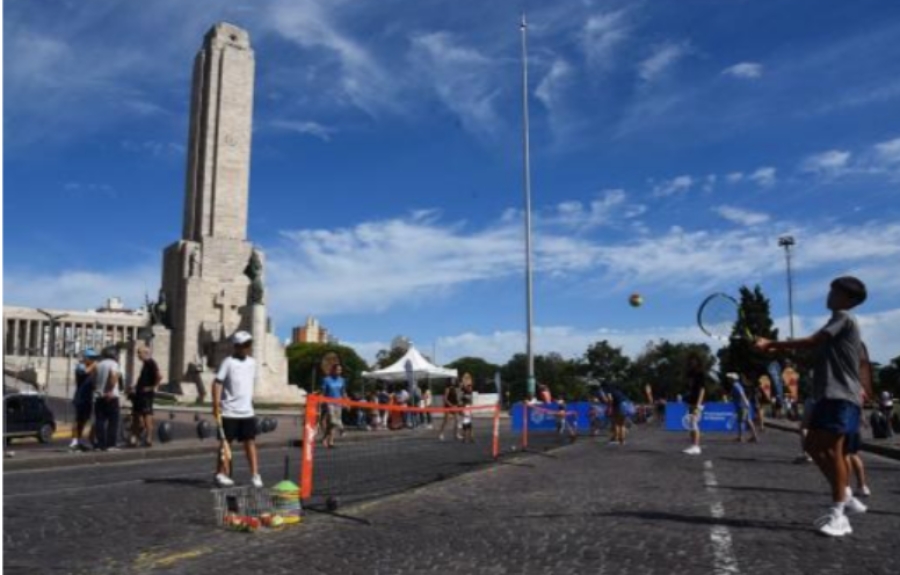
(835, 416)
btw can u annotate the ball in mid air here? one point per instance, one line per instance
(635, 300)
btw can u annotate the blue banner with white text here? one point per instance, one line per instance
(717, 416)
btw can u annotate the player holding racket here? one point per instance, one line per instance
(837, 389)
(232, 394)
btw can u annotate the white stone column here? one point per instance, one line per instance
(15, 337)
(28, 334)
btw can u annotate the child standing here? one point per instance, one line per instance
(837, 390)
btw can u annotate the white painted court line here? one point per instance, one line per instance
(725, 562)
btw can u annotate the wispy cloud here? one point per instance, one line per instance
(462, 77)
(610, 207)
(828, 163)
(664, 57)
(673, 186)
(746, 70)
(764, 177)
(601, 36)
(314, 129)
(741, 216)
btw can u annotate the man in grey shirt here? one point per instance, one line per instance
(836, 389)
(106, 400)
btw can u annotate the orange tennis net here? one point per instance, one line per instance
(356, 450)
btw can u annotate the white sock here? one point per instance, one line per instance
(838, 508)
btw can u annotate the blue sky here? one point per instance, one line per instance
(672, 143)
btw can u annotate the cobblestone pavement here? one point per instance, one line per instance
(587, 508)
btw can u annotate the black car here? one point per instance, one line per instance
(27, 415)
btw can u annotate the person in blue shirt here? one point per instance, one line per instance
(333, 387)
(741, 407)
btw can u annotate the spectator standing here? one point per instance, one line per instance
(107, 375)
(143, 397)
(334, 387)
(84, 398)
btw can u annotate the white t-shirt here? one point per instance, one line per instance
(237, 377)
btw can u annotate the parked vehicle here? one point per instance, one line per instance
(27, 415)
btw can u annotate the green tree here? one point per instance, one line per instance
(888, 377)
(603, 362)
(740, 356)
(304, 364)
(662, 365)
(559, 374)
(482, 372)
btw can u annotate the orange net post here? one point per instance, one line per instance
(309, 441)
(497, 431)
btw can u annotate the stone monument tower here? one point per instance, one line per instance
(212, 279)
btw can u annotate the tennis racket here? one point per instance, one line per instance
(225, 448)
(718, 315)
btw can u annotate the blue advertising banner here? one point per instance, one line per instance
(545, 419)
(716, 417)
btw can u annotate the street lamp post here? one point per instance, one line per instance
(787, 242)
(527, 184)
(51, 341)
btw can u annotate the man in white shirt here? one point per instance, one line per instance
(107, 375)
(232, 394)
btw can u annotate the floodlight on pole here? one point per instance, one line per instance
(526, 149)
(787, 242)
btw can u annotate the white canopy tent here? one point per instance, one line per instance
(421, 369)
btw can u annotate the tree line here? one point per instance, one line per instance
(661, 364)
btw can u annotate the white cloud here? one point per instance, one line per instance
(601, 35)
(360, 78)
(551, 86)
(764, 177)
(80, 289)
(734, 177)
(610, 208)
(709, 183)
(740, 216)
(888, 153)
(748, 70)
(828, 163)
(663, 57)
(315, 129)
(463, 79)
(673, 186)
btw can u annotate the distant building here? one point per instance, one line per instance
(312, 332)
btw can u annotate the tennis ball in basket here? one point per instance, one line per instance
(636, 300)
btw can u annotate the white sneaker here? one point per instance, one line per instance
(256, 480)
(223, 480)
(441, 437)
(865, 491)
(834, 525)
(854, 506)
(692, 450)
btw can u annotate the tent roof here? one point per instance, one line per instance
(421, 368)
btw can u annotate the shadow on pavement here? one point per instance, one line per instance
(770, 489)
(187, 482)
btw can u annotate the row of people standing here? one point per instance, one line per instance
(100, 383)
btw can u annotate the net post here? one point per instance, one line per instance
(524, 425)
(309, 441)
(497, 430)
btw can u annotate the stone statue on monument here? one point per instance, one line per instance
(194, 261)
(254, 271)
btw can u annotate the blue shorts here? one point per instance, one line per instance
(835, 416)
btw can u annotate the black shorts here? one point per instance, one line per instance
(83, 411)
(142, 403)
(851, 443)
(240, 429)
